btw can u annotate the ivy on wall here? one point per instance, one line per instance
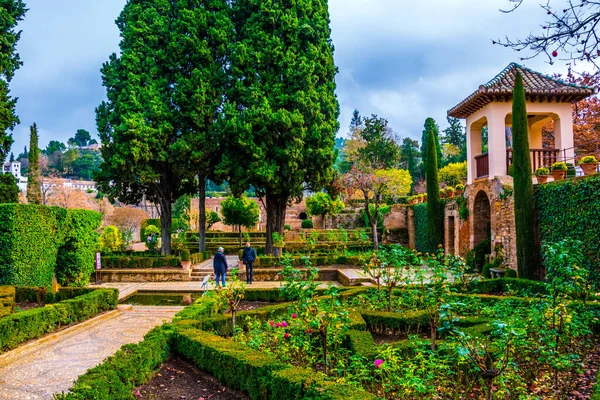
(571, 209)
(422, 242)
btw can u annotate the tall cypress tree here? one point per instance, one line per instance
(11, 12)
(34, 180)
(434, 203)
(430, 126)
(524, 206)
(283, 111)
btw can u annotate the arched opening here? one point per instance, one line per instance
(303, 216)
(482, 228)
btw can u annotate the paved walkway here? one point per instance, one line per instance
(51, 364)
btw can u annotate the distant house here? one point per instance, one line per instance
(14, 168)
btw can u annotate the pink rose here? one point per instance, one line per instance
(272, 323)
(284, 324)
(294, 315)
(378, 363)
(286, 335)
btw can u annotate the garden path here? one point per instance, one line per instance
(51, 364)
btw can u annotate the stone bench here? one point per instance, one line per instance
(497, 272)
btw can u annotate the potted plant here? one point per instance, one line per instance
(442, 193)
(541, 174)
(186, 262)
(589, 164)
(449, 192)
(559, 170)
(459, 189)
(424, 197)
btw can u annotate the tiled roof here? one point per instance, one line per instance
(538, 87)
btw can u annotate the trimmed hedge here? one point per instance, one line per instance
(297, 261)
(29, 239)
(125, 262)
(20, 327)
(117, 377)
(7, 300)
(75, 261)
(405, 322)
(31, 294)
(570, 209)
(34, 238)
(361, 343)
(264, 377)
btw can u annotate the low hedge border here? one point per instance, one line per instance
(124, 262)
(20, 327)
(31, 294)
(404, 322)
(298, 261)
(361, 343)
(117, 377)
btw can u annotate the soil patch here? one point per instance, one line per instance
(249, 305)
(178, 379)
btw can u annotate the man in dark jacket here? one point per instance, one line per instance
(248, 258)
(220, 266)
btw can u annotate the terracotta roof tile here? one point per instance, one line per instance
(538, 87)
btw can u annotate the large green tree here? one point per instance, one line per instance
(11, 13)
(283, 111)
(81, 138)
(34, 178)
(410, 159)
(240, 212)
(455, 136)
(55, 146)
(430, 126)
(434, 203)
(381, 151)
(163, 99)
(524, 205)
(9, 191)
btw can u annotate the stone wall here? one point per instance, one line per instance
(143, 275)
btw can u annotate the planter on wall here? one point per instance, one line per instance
(542, 178)
(559, 174)
(589, 169)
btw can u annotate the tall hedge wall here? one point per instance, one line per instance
(75, 262)
(33, 238)
(571, 209)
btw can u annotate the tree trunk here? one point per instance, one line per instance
(375, 236)
(202, 213)
(276, 207)
(166, 222)
(240, 229)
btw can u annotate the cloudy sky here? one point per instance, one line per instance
(403, 60)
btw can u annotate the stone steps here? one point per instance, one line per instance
(353, 277)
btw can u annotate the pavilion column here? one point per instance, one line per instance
(473, 149)
(563, 136)
(497, 143)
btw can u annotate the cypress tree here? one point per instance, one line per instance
(524, 207)
(34, 181)
(430, 126)
(434, 203)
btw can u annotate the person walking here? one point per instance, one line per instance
(220, 266)
(248, 258)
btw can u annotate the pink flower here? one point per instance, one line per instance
(284, 324)
(272, 323)
(286, 335)
(278, 325)
(294, 315)
(378, 363)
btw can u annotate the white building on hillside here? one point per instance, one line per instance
(14, 168)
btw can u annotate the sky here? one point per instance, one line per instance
(402, 60)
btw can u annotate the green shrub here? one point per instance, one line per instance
(510, 273)
(361, 343)
(111, 239)
(409, 321)
(559, 166)
(20, 327)
(422, 242)
(125, 262)
(286, 227)
(75, 259)
(307, 224)
(185, 255)
(485, 271)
